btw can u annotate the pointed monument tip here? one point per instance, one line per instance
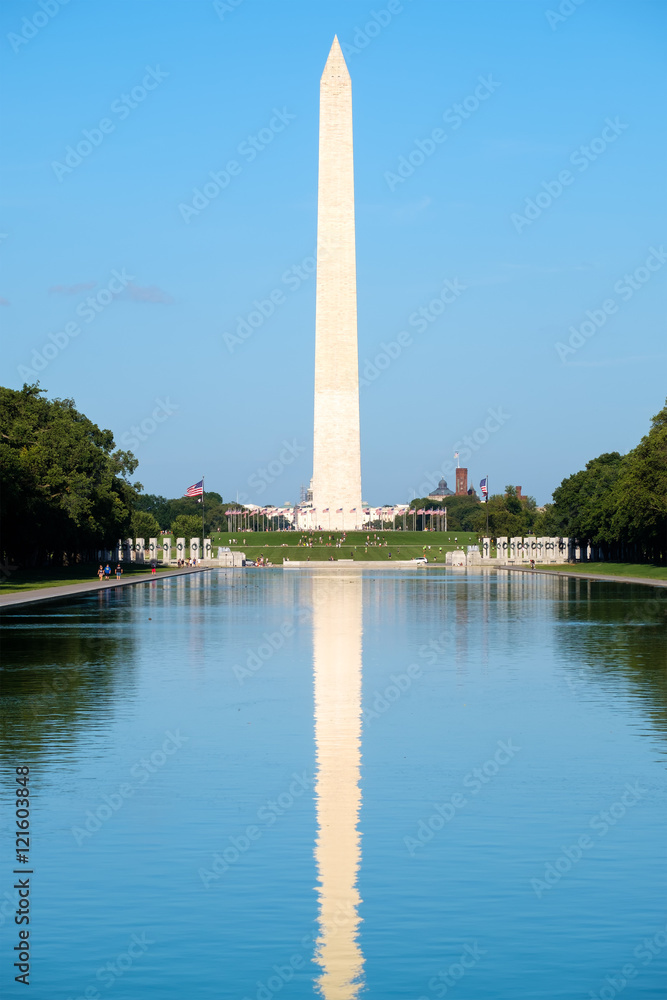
(335, 65)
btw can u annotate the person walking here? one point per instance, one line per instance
(100, 573)
(107, 572)
(119, 570)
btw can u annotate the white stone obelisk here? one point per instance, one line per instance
(336, 448)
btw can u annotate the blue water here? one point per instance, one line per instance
(375, 783)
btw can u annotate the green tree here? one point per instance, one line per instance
(144, 525)
(186, 526)
(65, 489)
(159, 507)
(640, 515)
(619, 502)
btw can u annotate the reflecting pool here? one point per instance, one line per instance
(339, 783)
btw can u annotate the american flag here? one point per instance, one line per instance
(195, 491)
(484, 487)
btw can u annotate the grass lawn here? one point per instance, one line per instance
(275, 546)
(22, 580)
(646, 570)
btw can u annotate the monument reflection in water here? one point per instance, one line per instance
(337, 627)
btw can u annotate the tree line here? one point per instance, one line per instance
(67, 491)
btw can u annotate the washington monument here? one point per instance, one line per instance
(336, 451)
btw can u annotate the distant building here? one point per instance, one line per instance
(461, 482)
(441, 490)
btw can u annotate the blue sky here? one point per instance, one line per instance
(543, 191)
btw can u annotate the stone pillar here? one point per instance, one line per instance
(118, 555)
(515, 549)
(180, 548)
(127, 550)
(166, 550)
(486, 548)
(502, 549)
(140, 550)
(195, 549)
(152, 549)
(542, 549)
(208, 549)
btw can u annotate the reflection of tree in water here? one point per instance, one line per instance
(60, 674)
(627, 638)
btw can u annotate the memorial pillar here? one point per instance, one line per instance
(195, 551)
(166, 550)
(501, 549)
(180, 548)
(208, 549)
(140, 550)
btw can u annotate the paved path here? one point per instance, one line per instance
(587, 576)
(74, 589)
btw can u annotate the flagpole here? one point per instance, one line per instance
(203, 529)
(487, 506)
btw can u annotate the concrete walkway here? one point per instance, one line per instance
(74, 589)
(605, 578)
